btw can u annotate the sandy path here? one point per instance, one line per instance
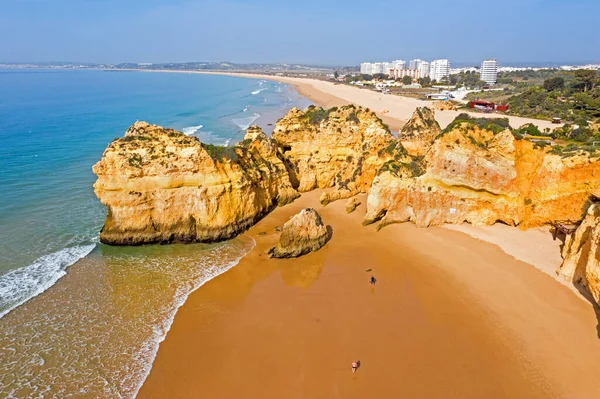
(450, 317)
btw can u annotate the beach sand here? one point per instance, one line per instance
(451, 316)
(400, 109)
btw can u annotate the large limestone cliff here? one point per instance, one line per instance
(481, 175)
(342, 147)
(161, 186)
(581, 254)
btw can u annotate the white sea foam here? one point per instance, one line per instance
(20, 285)
(255, 92)
(246, 108)
(190, 130)
(246, 122)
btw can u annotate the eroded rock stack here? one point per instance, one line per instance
(305, 232)
(342, 147)
(161, 186)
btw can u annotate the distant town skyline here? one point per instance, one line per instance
(332, 33)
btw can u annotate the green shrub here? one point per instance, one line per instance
(220, 152)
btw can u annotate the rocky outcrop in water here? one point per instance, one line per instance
(305, 232)
(478, 173)
(581, 254)
(342, 147)
(161, 186)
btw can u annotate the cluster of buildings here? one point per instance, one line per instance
(437, 70)
(416, 69)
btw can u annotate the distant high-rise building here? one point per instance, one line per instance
(424, 69)
(439, 69)
(387, 66)
(377, 67)
(414, 64)
(399, 64)
(489, 71)
(366, 68)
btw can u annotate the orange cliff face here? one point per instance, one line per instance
(342, 147)
(581, 254)
(472, 174)
(161, 186)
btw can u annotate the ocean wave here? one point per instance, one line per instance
(191, 130)
(245, 123)
(20, 285)
(246, 108)
(255, 92)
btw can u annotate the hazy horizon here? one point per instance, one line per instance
(339, 33)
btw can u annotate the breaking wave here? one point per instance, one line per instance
(20, 285)
(191, 130)
(246, 122)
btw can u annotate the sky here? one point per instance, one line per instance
(318, 32)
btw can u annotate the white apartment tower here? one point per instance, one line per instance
(399, 64)
(366, 68)
(439, 69)
(424, 69)
(414, 64)
(489, 71)
(387, 66)
(377, 67)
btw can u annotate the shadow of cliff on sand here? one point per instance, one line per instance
(586, 294)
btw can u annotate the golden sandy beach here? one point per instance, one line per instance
(450, 317)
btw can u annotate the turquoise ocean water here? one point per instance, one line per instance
(78, 317)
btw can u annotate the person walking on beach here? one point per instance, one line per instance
(355, 366)
(373, 281)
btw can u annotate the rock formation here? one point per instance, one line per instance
(479, 173)
(342, 147)
(161, 186)
(581, 254)
(305, 232)
(352, 204)
(417, 135)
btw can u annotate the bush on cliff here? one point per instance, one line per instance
(495, 125)
(218, 153)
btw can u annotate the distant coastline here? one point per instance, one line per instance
(394, 110)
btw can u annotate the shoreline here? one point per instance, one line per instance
(481, 320)
(399, 109)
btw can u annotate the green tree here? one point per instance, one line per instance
(585, 79)
(336, 74)
(406, 80)
(554, 83)
(425, 81)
